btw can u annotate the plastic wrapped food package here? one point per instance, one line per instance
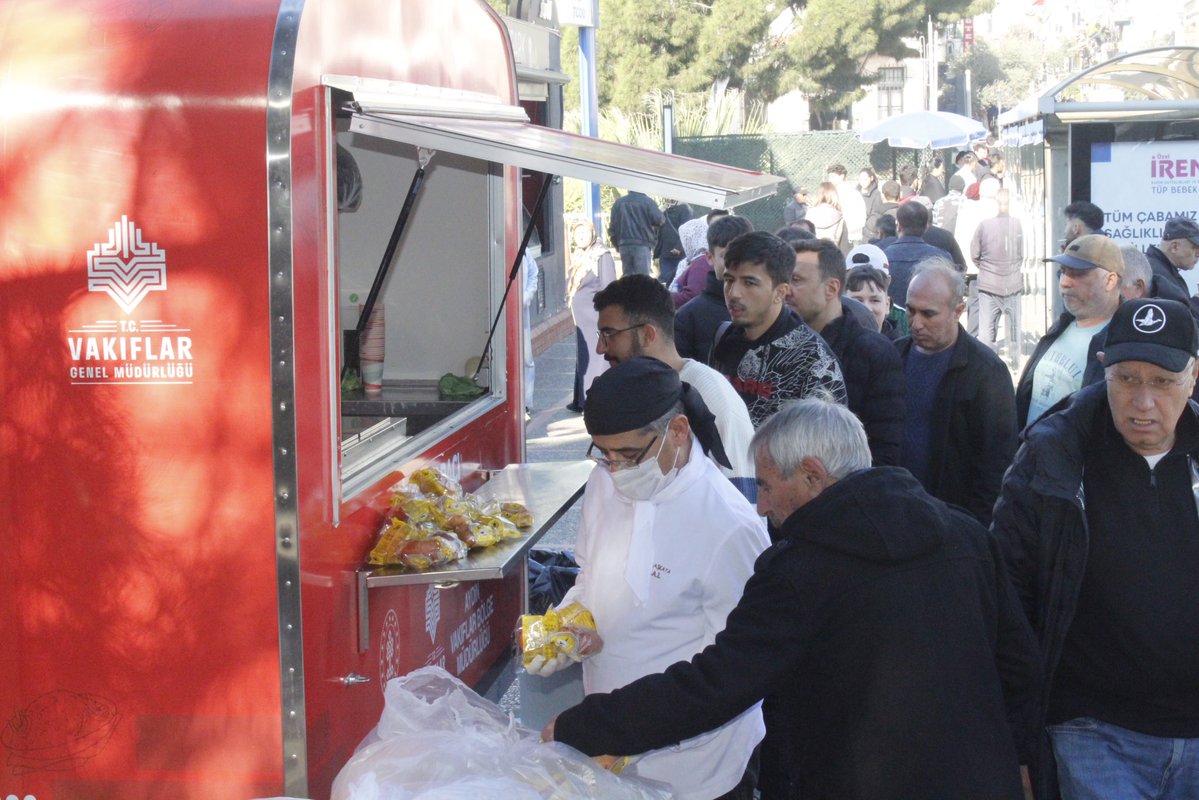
(557, 637)
(438, 740)
(430, 509)
(433, 483)
(415, 546)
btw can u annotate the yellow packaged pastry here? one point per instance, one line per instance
(499, 526)
(557, 632)
(418, 547)
(433, 483)
(517, 514)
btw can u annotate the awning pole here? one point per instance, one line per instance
(520, 256)
(350, 360)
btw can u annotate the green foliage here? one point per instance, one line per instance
(764, 48)
(681, 46)
(835, 40)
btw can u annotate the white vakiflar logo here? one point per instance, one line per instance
(432, 611)
(1149, 319)
(126, 267)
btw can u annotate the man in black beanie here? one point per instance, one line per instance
(665, 545)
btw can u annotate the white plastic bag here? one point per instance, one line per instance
(438, 740)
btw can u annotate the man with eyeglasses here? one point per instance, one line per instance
(666, 544)
(636, 318)
(1089, 274)
(1098, 517)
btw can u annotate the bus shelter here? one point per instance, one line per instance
(1124, 135)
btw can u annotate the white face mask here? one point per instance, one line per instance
(646, 479)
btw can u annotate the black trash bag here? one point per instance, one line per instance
(551, 574)
(349, 181)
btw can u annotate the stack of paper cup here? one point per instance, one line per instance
(371, 352)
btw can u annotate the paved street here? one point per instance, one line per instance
(553, 434)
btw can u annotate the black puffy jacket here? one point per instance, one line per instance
(874, 383)
(697, 320)
(886, 625)
(1040, 521)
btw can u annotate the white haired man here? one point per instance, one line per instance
(1099, 521)
(882, 619)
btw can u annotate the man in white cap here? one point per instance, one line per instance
(867, 280)
(1098, 518)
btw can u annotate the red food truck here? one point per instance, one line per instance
(188, 490)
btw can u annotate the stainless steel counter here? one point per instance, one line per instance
(409, 398)
(547, 489)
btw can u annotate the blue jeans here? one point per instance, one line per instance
(1100, 761)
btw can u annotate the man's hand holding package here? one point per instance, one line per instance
(540, 665)
(558, 639)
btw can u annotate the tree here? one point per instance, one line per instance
(765, 48)
(682, 46)
(834, 41)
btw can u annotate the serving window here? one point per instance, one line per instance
(433, 308)
(436, 313)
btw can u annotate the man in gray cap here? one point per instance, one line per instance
(1178, 250)
(1098, 518)
(1089, 274)
(666, 545)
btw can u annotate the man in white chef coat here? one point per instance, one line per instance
(666, 545)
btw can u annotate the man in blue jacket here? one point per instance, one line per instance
(883, 618)
(909, 249)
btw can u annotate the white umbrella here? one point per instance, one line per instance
(920, 129)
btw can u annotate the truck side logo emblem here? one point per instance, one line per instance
(126, 267)
(1151, 319)
(432, 611)
(389, 649)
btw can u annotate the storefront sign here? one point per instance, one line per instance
(128, 348)
(1140, 185)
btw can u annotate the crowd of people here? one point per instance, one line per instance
(833, 550)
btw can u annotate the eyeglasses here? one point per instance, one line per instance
(1158, 385)
(616, 464)
(607, 333)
